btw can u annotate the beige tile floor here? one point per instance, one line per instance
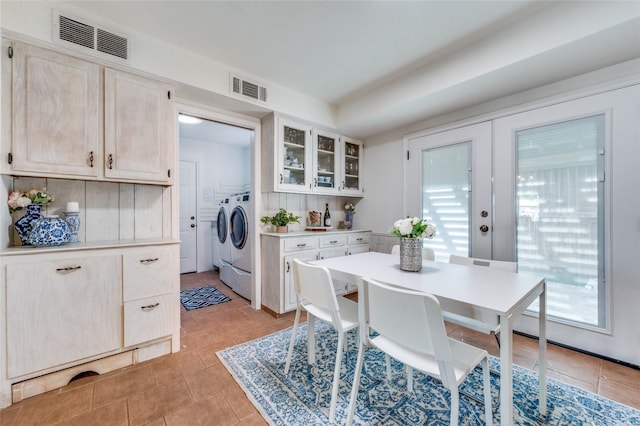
(193, 388)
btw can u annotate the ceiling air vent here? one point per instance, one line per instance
(83, 35)
(249, 89)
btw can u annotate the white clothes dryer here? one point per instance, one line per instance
(238, 277)
(222, 253)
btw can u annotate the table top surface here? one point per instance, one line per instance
(492, 290)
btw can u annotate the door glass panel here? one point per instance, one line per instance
(559, 205)
(351, 163)
(445, 198)
(294, 156)
(326, 161)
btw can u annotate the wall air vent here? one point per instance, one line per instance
(84, 36)
(242, 87)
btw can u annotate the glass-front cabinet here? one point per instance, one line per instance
(326, 160)
(352, 152)
(295, 168)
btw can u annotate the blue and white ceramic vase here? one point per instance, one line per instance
(73, 220)
(24, 225)
(49, 231)
(349, 219)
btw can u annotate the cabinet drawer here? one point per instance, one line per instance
(359, 238)
(147, 273)
(147, 319)
(297, 244)
(333, 241)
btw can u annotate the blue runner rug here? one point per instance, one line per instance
(194, 298)
(302, 397)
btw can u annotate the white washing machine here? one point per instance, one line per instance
(240, 232)
(222, 250)
(238, 274)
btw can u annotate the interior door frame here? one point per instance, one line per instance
(480, 136)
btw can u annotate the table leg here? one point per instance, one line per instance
(542, 361)
(506, 371)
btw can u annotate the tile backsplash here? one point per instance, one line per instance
(301, 204)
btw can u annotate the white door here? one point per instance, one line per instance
(449, 184)
(188, 223)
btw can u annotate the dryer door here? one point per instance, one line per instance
(239, 227)
(222, 225)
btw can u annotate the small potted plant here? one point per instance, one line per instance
(280, 220)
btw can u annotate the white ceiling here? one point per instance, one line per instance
(384, 64)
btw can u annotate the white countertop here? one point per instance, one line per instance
(92, 245)
(313, 233)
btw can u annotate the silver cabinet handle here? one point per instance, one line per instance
(150, 307)
(147, 261)
(288, 267)
(333, 242)
(301, 245)
(68, 269)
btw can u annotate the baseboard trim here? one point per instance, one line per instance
(582, 351)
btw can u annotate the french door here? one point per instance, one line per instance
(540, 188)
(449, 183)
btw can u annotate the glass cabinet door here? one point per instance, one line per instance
(326, 154)
(352, 166)
(295, 156)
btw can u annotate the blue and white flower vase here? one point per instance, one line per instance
(49, 231)
(349, 219)
(24, 225)
(73, 220)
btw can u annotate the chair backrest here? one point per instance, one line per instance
(409, 318)
(427, 253)
(313, 285)
(472, 261)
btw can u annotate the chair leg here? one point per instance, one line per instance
(292, 341)
(336, 379)
(409, 378)
(497, 336)
(455, 406)
(387, 359)
(311, 339)
(488, 411)
(356, 384)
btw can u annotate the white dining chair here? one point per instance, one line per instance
(408, 326)
(478, 321)
(316, 295)
(427, 253)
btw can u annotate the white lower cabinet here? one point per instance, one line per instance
(278, 251)
(65, 307)
(61, 311)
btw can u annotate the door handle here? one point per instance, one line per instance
(193, 225)
(484, 228)
(193, 217)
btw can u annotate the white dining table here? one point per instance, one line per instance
(505, 294)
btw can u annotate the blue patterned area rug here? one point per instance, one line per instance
(302, 397)
(194, 298)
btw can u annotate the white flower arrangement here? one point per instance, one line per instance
(413, 228)
(350, 207)
(20, 199)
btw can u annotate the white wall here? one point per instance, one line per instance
(223, 169)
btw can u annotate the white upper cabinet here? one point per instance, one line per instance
(294, 156)
(298, 157)
(326, 162)
(59, 116)
(139, 123)
(55, 113)
(352, 153)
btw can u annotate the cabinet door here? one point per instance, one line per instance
(62, 311)
(289, 290)
(294, 157)
(352, 152)
(55, 113)
(326, 162)
(139, 128)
